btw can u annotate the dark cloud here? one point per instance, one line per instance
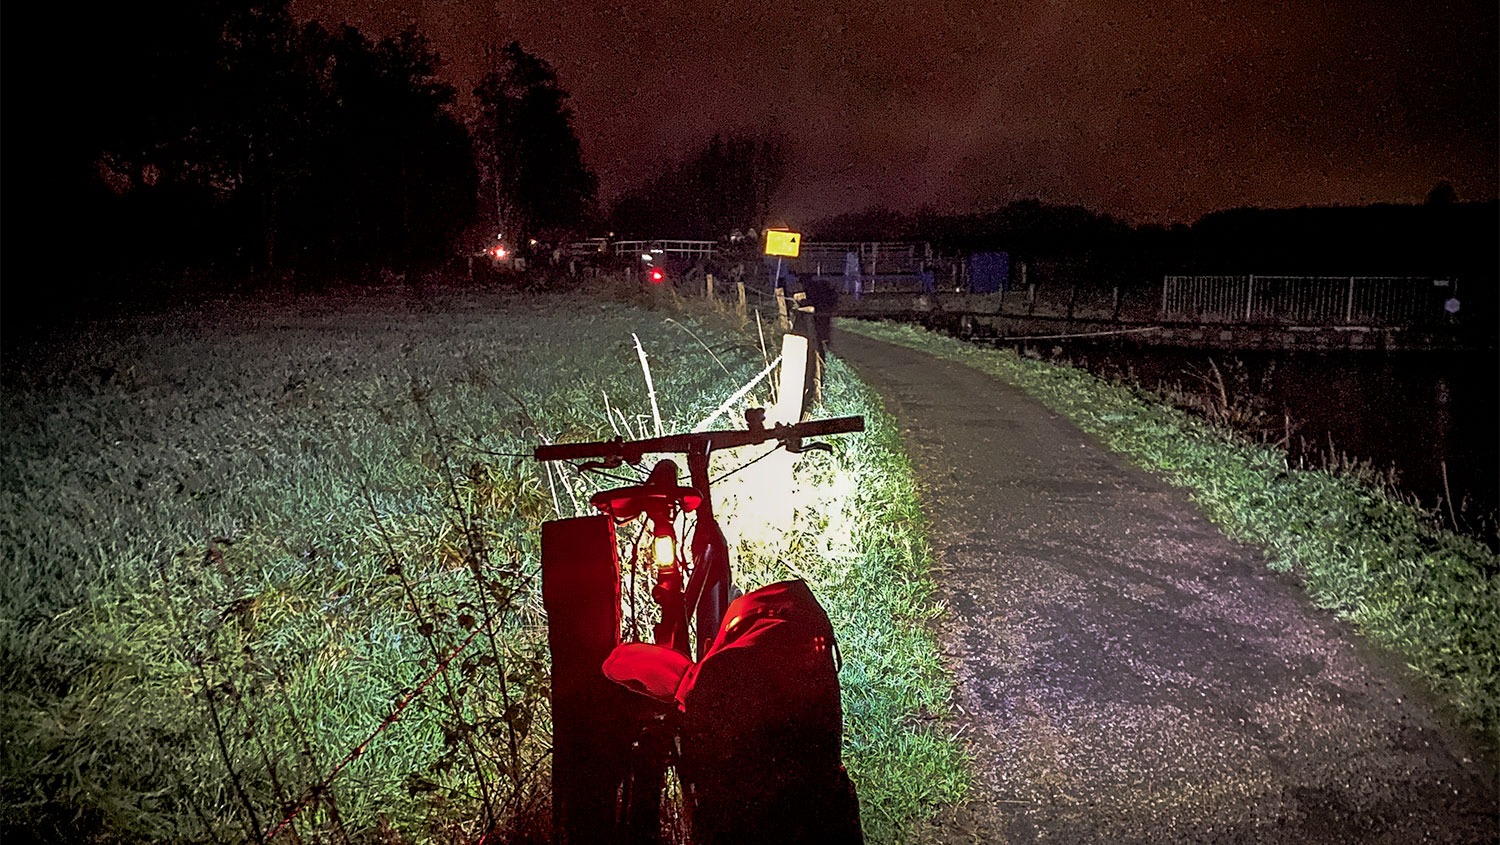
(1150, 111)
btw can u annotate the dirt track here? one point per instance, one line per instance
(1127, 674)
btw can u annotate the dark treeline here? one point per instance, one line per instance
(1441, 237)
(226, 136)
(533, 178)
(728, 185)
(220, 142)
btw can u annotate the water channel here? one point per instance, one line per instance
(1426, 415)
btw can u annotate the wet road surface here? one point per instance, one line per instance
(1127, 674)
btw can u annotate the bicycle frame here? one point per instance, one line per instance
(705, 596)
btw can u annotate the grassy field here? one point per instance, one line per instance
(1430, 595)
(240, 536)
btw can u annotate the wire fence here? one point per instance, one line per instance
(1304, 300)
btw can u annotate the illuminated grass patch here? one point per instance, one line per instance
(1429, 594)
(237, 538)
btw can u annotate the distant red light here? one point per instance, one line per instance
(656, 275)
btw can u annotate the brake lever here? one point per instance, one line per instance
(796, 447)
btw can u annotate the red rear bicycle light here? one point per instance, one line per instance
(656, 275)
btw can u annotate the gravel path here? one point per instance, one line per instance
(1127, 674)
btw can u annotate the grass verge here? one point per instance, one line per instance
(239, 535)
(1429, 594)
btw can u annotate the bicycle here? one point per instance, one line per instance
(703, 595)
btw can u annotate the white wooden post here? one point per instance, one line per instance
(793, 381)
(710, 286)
(1249, 296)
(763, 487)
(741, 289)
(1349, 307)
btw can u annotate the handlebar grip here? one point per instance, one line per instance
(835, 425)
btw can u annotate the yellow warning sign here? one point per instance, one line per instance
(783, 243)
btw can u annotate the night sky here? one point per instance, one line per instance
(1153, 112)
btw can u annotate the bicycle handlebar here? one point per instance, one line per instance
(631, 451)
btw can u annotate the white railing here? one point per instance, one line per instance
(700, 250)
(1302, 300)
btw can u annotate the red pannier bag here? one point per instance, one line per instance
(761, 722)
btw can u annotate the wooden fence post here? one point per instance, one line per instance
(792, 381)
(710, 286)
(762, 488)
(741, 288)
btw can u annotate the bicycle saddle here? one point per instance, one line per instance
(660, 491)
